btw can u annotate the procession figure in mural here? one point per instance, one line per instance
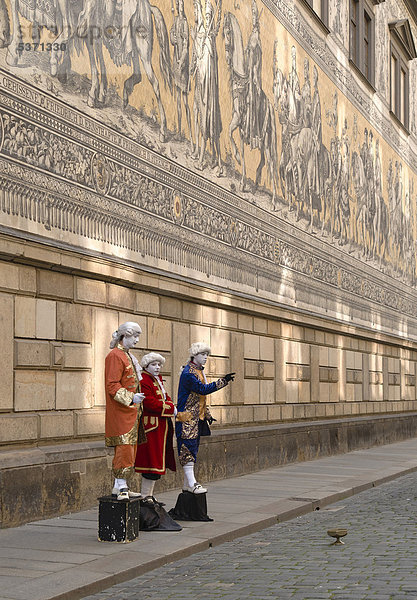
(360, 186)
(282, 106)
(253, 114)
(306, 96)
(123, 427)
(294, 83)
(335, 166)
(332, 197)
(180, 39)
(322, 178)
(295, 125)
(305, 162)
(368, 162)
(342, 187)
(204, 68)
(235, 59)
(288, 99)
(321, 156)
(194, 417)
(377, 185)
(405, 245)
(156, 454)
(391, 199)
(396, 220)
(410, 248)
(253, 56)
(406, 227)
(380, 219)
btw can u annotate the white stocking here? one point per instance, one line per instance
(146, 487)
(120, 483)
(189, 479)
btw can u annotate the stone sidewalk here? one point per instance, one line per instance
(296, 560)
(62, 559)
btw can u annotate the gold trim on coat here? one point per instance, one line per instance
(125, 438)
(150, 423)
(163, 456)
(124, 472)
(123, 396)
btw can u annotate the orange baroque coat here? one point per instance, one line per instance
(157, 453)
(122, 382)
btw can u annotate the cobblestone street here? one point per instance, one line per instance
(294, 560)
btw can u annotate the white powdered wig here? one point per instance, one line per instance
(198, 348)
(137, 366)
(127, 328)
(151, 357)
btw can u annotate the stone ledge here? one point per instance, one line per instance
(24, 457)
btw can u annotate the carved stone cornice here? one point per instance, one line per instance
(412, 7)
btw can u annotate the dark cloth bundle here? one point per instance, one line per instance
(190, 507)
(153, 517)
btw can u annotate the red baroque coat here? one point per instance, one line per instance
(156, 454)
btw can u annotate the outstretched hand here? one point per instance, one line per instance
(229, 377)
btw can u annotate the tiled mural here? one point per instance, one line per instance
(223, 139)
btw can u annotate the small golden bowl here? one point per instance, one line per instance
(337, 533)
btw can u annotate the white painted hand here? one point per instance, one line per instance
(138, 398)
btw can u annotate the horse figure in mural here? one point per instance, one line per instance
(239, 83)
(126, 29)
(298, 162)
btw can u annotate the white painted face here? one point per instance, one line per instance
(200, 359)
(154, 368)
(129, 341)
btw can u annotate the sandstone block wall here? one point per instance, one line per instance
(56, 321)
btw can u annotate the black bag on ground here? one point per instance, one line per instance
(190, 507)
(153, 517)
(148, 517)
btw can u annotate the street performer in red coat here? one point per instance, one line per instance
(156, 454)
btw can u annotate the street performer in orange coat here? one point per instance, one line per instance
(156, 454)
(123, 406)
